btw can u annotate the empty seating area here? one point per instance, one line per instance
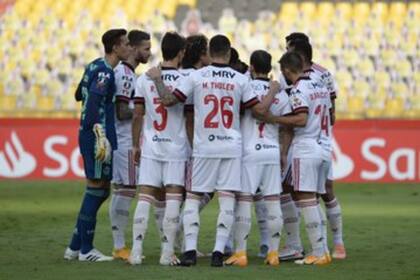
(372, 48)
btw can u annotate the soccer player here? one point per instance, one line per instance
(164, 151)
(97, 139)
(217, 92)
(333, 208)
(124, 171)
(261, 164)
(310, 103)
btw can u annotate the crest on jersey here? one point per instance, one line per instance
(102, 78)
(296, 102)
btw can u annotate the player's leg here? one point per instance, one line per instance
(174, 180)
(228, 182)
(119, 214)
(150, 175)
(305, 180)
(250, 180)
(98, 177)
(203, 181)
(293, 248)
(322, 177)
(159, 206)
(261, 215)
(124, 190)
(334, 217)
(271, 189)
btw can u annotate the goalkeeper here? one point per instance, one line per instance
(97, 139)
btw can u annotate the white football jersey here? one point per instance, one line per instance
(125, 80)
(312, 97)
(164, 134)
(218, 92)
(261, 140)
(323, 76)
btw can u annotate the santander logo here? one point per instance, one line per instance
(343, 165)
(15, 162)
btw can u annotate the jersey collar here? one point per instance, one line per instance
(168, 68)
(220, 64)
(128, 65)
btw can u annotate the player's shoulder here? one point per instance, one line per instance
(259, 84)
(319, 68)
(301, 85)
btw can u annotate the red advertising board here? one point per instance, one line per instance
(364, 151)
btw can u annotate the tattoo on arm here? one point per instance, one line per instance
(166, 96)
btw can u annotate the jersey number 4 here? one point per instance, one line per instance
(322, 111)
(161, 110)
(227, 115)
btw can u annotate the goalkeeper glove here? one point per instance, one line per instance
(102, 146)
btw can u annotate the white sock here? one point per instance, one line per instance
(323, 226)
(291, 222)
(335, 220)
(141, 218)
(261, 214)
(191, 221)
(171, 221)
(309, 208)
(274, 221)
(242, 221)
(225, 219)
(119, 214)
(159, 207)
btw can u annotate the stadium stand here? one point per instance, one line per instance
(371, 47)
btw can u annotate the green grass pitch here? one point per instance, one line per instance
(382, 235)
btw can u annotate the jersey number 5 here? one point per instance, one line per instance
(227, 115)
(161, 110)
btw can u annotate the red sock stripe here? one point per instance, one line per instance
(145, 197)
(126, 192)
(159, 203)
(225, 194)
(331, 204)
(307, 203)
(193, 196)
(274, 197)
(244, 198)
(285, 198)
(174, 196)
(257, 197)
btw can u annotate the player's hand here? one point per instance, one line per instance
(275, 86)
(102, 147)
(154, 73)
(136, 155)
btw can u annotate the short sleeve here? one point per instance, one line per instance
(330, 84)
(298, 102)
(139, 93)
(185, 88)
(123, 84)
(281, 105)
(101, 82)
(249, 98)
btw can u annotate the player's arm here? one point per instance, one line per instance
(136, 126)
(298, 119)
(123, 111)
(332, 111)
(78, 93)
(259, 110)
(286, 137)
(189, 125)
(98, 90)
(167, 97)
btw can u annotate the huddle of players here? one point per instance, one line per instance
(203, 125)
